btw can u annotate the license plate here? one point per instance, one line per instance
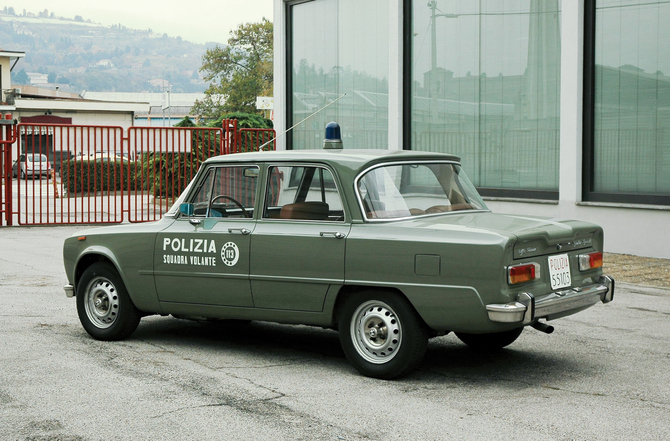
(559, 271)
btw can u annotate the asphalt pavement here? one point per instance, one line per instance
(602, 375)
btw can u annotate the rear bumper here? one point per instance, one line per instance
(69, 290)
(527, 309)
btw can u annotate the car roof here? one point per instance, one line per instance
(353, 159)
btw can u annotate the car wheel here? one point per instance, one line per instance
(382, 335)
(104, 307)
(492, 341)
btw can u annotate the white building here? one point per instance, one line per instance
(8, 60)
(38, 78)
(165, 109)
(48, 106)
(558, 108)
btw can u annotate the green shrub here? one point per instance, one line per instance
(167, 174)
(244, 121)
(90, 176)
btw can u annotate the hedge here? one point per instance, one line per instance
(89, 176)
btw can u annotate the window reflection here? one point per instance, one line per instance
(632, 97)
(485, 86)
(340, 47)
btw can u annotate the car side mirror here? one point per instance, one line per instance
(186, 209)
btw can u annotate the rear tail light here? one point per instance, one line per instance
(590, 261)
(523, 273)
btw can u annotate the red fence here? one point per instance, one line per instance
(7, 139)
(69, 174)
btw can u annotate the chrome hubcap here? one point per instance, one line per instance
(102, 302)
(376, 332)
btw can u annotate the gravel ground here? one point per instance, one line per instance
(639, 270)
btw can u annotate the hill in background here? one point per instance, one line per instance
(77, 55)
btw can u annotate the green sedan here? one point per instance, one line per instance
(390, 248)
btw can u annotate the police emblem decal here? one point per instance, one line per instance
(230, 254)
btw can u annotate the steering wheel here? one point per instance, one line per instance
(234, 201)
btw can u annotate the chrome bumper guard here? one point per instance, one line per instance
(69, 290)
(527, 309)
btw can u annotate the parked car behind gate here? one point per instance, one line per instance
(389, 248)
(31, 164)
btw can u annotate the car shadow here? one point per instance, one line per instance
(257, 337)
(446, 357)
(520, 363)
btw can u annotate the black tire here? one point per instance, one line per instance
(381, 334)
(490, 342)
(104, 307)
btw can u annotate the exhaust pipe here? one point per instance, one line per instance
(543, 327)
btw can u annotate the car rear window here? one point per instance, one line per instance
(37, 158)
(404, 190)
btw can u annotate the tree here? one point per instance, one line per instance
(244, 120)
(21, 77)
(239, 72)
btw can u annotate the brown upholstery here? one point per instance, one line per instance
(445, 208)
(305, 211)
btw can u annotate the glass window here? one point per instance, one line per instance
(631, 142)
(227, 192)
(400, 191)
(302, 193)
(340, 47)
(485, 86)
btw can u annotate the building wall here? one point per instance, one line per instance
(639, 229)
(124, 120)
(5, 72)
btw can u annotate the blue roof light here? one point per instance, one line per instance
(333, 138)
(333, 131)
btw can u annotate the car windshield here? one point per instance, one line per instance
(174, 209)
(406, 190)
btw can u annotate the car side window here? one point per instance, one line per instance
(228, 192)
(302, 193)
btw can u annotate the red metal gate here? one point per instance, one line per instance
(7, 139)
(165, 161)
(71, 174)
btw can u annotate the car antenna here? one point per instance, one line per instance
(260, 149)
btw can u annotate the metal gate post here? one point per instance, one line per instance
(7, 138)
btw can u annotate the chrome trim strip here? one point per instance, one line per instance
(199, 274)
(396, 284)
(297, 279)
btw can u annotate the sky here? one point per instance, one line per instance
(197, 21)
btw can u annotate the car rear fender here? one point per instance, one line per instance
(348, 290)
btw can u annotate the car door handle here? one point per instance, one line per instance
(244, 231)
(336, 234)
(194, 221)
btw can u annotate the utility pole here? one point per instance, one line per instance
(433, 64)
(433, 86)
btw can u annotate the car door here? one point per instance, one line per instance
(297, 248)
(203, 257)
